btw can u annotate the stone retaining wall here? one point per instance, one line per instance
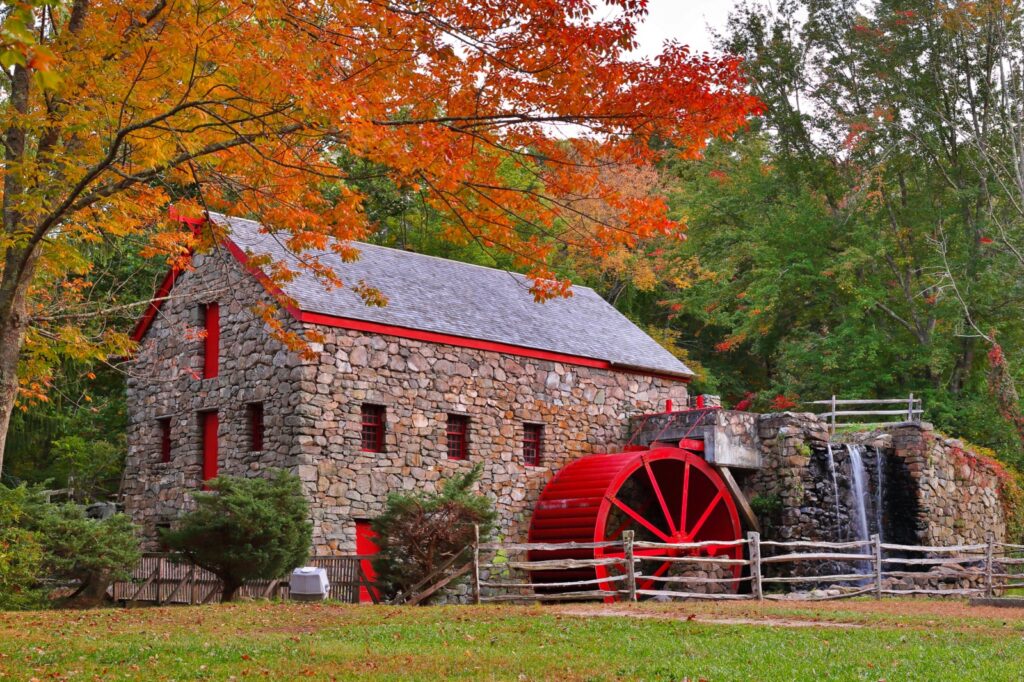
(951, 494)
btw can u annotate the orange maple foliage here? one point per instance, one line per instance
(113, 106)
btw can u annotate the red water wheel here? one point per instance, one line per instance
(666, 495)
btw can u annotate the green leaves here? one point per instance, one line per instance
(419, 531)
(246, 529)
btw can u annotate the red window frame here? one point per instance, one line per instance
(210, 316)
(165, 439)
(373, 421)
(533, 444)
(457, 436)
(209, 427)
(255, 427)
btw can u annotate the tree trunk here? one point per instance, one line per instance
(13, 324)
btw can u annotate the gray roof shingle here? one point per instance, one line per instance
(449, 297)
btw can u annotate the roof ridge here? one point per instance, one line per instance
(411, 253)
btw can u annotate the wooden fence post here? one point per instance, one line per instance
(627, 551)
(476, 564)
(876, 543)
(754, 550)
(989, 550)
(910, 409)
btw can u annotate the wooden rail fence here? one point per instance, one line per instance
(158, 578)
(911, 410)
(504, 572)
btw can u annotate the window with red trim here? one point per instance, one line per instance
(209, 318)
(533, 444)
(457, 435)
(208, 428)
(165, 439)
(255, 427)
(373, 427)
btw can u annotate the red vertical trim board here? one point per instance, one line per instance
(210, 454)
(211, 347)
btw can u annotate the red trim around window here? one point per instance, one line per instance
(533, 444)
(372, 427)
(457, 436)
(209, 425)
(211, 344)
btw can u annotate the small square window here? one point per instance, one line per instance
(165, 439)
(533, 444)
(458, 436)
(373, 427)
(255, 427)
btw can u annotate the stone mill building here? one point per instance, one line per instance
(461, 367)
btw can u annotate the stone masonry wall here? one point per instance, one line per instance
(312, 412)
(165, 382)
(957, 491)
(583, 410)
(952, 494)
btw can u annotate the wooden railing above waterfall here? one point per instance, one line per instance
(849, 412)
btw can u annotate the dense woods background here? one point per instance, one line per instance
(863, 238)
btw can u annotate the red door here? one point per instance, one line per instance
(210, 424)
(366, 546)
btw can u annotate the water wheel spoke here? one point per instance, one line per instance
(640, 519)
(649, 580)
(707, 514)
(686, 494)
(661, 498)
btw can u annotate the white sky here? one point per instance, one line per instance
(687, 21)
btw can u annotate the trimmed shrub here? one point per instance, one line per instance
(246, 529)
(419, 532)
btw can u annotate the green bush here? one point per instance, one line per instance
(21, 555)
(246, 529)
(419, 532)
(91, 552)
(42, 542)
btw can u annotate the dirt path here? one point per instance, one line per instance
(768, 620)
(847, 614)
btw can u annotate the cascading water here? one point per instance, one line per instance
(858, 474)
(835, 488)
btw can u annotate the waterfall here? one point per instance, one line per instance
(860, 513)
(835, 489)
(879, 491)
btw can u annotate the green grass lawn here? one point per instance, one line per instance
(894, 640)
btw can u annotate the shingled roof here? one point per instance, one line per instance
(447, 297)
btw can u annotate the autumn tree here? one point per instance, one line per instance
(111, 110)
(859, 239)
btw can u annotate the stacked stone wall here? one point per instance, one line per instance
(312, 411)
(584, 410)
(953, 494)
(165, 381)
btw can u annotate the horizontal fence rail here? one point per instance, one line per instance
(912, 409)
(769, 570)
